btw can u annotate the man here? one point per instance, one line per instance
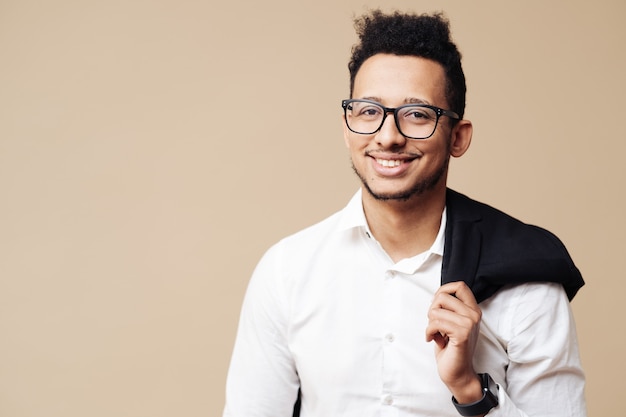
(375, 311)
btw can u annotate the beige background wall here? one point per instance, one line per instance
(150, 151)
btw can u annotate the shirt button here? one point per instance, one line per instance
(388, 400)
(389, 337)
(389, 274)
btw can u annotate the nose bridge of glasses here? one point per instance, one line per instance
(393, 111)
(386, 112)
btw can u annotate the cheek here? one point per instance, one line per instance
(356, 144)
(437, 148)
(346, 134)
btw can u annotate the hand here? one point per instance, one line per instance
(454, 324)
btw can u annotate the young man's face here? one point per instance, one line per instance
(390, 166)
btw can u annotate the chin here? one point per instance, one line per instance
(399, 195)
(433, 182)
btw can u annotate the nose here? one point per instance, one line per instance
(389, 136)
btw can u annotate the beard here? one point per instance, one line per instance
(419, 188)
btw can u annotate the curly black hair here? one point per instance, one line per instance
(425, 35)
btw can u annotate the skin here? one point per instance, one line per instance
(403, 205)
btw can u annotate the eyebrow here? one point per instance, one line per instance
(408, 100)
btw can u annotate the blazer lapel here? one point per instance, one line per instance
(463, 246)
(461, 251)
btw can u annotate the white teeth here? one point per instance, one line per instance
(389, 162)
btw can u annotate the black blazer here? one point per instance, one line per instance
(489, 249)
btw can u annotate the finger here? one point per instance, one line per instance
(434, 333)
(460, 290)
(446, 303)
(440, 340)
(445, 326)
(451, 323)
(454, 322)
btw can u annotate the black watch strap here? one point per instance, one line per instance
(486, 403)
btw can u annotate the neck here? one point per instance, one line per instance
(405, 228)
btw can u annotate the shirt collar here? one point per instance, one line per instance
(354, 217)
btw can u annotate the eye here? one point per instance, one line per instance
(368, 111)
(418, 114)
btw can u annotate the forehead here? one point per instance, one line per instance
(394, 79)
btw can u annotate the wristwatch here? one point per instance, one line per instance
(482, 406)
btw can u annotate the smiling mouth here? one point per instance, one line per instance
(389, 163)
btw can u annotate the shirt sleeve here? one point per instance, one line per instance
(262, 380)
(544, 376)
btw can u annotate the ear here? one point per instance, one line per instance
(461, 137)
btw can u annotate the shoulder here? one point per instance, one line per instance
(293, 252)
(311, 236)
(509, 250)
(497, 224)
(277, 269)
(465, 208)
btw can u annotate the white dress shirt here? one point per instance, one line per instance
(328, 310)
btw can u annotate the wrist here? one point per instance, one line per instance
(469, 391)
(488, 400)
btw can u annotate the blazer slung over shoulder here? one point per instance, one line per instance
(489, 249)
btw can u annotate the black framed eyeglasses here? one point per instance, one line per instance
(414, 121)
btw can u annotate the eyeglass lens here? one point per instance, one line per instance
(414, 121)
